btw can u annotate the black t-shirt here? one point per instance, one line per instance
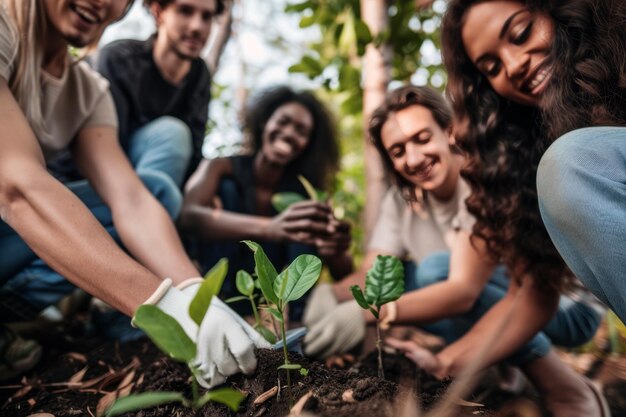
(141, 95)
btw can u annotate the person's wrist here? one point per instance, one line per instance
(388, 314)
(445, 364)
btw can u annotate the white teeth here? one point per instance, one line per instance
(541, 75)
(86, 14)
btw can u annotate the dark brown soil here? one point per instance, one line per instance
(141, 367)
(78, 376)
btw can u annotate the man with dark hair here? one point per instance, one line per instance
(161, 88)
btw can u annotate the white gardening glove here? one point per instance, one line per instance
(341, 329)
(320, 302)
(225, 342)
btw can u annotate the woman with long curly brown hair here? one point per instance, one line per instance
(536, 71)
(522, 74)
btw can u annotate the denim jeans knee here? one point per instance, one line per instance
(164, 190)
(581, 185)
(163, 145)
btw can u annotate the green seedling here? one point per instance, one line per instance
(246, 286)
(280, 201)
(280, 289)
(170, 337)
(384, 283)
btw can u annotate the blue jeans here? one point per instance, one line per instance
(581, 183)
(240, 257)
(573, 324)
(25, 277)
(163, 145)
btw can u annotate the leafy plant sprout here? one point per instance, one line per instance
(170, 337)
(384, 283)
(246, 285)
(280, 201)
(280, 289)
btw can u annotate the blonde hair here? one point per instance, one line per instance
(28, 20)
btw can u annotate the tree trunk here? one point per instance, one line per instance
(376, 75)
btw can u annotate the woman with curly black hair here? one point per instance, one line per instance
(229, 199)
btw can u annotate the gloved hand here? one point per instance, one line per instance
(225, 342)
(321, 301)
(341, 329)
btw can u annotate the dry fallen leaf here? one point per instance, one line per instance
(22, 391)
(78, 376)
(77, 356)
(464, 403)
(299, 405)
(266, 395)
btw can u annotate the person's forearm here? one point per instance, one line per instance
(432, 303)
(506, 327)
(62, 231)
(341, 289)
(216, 225)
(149, 235)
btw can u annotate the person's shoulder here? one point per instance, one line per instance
(123, 49)
(87, 80)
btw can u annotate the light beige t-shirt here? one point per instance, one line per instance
(77, 100)
(402, 232)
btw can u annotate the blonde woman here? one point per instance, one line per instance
(49, 102)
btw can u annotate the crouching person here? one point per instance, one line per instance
(454, 283)
(49, 102)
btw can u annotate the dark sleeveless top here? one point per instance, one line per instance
(243, 175)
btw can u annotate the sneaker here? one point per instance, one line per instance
(17, 355)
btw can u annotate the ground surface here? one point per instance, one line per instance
(80, 376)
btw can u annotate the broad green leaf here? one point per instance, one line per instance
(211, 286)
(348, 39)
(244, 283)
(303, 273)
(280, 201)
(290, 366)
(362, 31)
(280, 285)
(265, 271)
(310, 190)
(384, 281)
(227, 396)
(313, 65)
(304, 372)
(235, 299)
(277, 315)
(266, 333)
(357, 293)
(165, 332)
(360, 299)
(299, 67)
(141, 401)
(298, 7)
(307, 21)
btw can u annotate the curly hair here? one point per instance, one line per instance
(320, 160)
(397, 100)
(504, 141)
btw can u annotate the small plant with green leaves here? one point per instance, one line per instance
(170, 337)
(280, 289)
(384, 283)
(246, 285)
(280, 201)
